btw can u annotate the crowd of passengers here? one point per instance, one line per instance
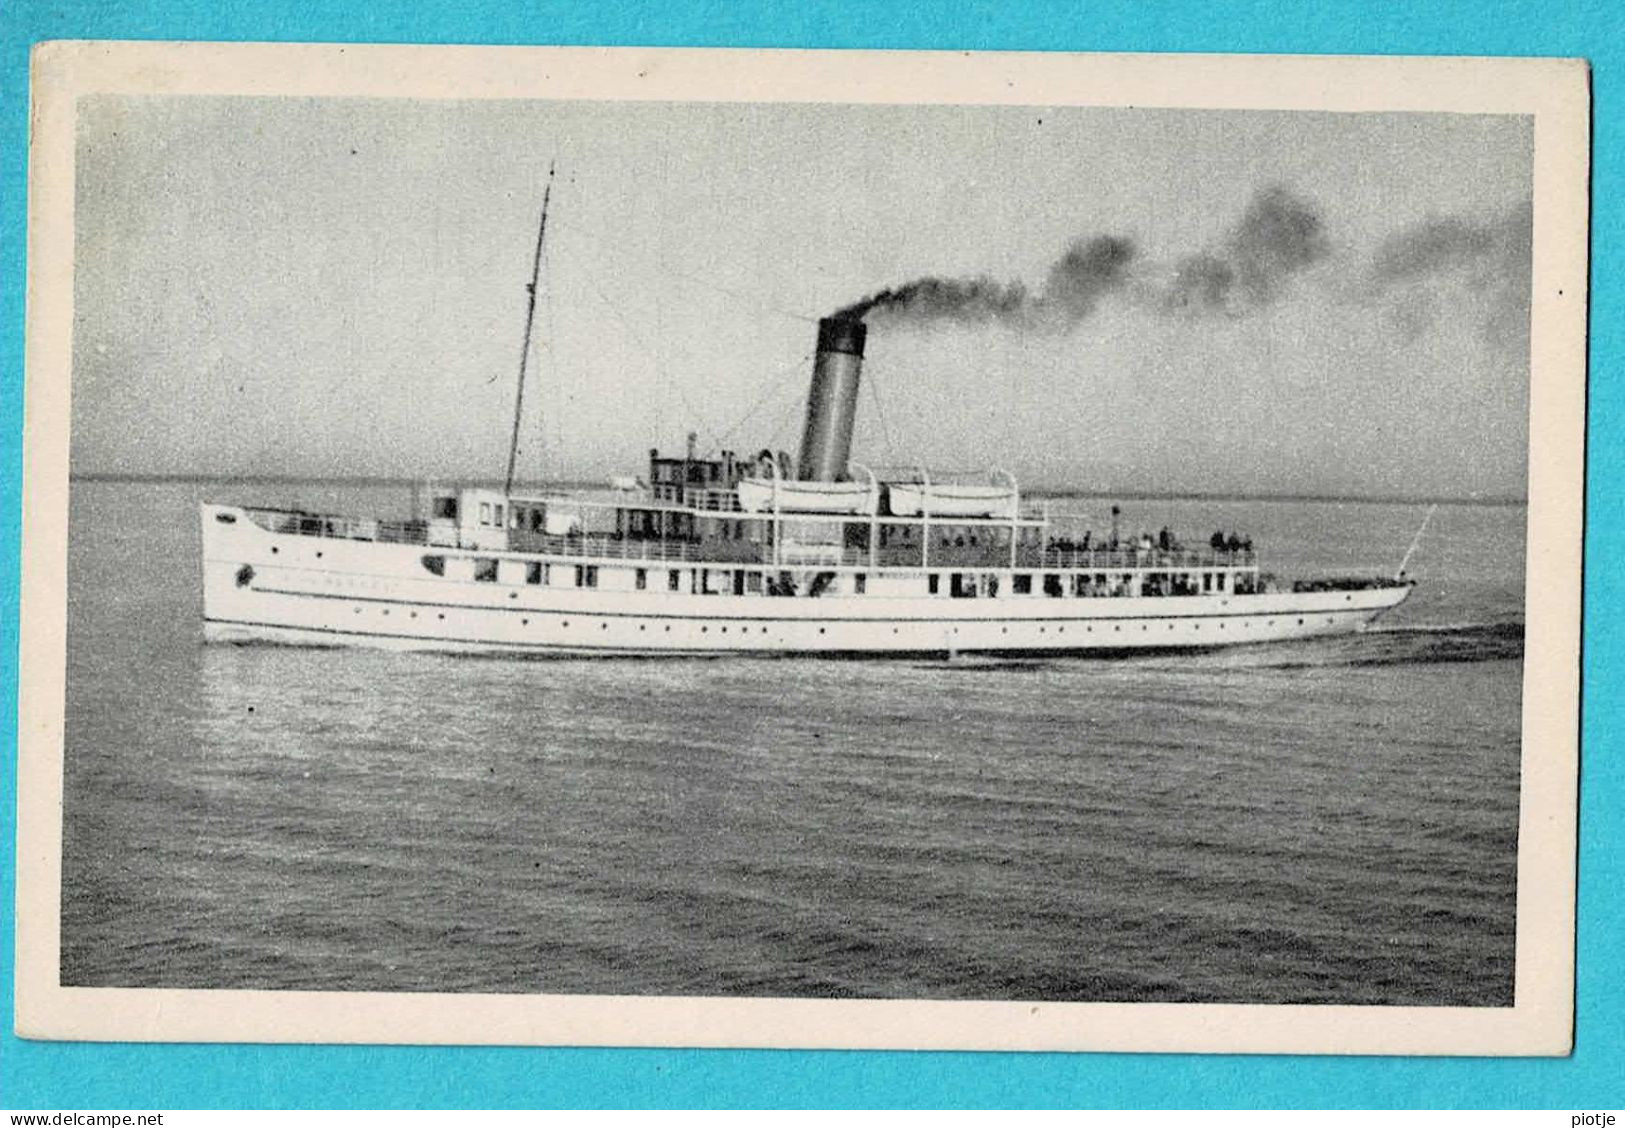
(970, 585)
(1164, 541)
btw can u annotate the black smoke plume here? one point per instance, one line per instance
(1485, 251)
(1449, 267)
(1431, 247)
(1087, 271)
(1278, 236)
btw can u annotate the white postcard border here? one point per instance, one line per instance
(1554, 92)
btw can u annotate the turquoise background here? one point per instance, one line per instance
(67, 1076)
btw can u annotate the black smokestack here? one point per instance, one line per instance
(832, 399)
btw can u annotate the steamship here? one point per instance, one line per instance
(762, 555)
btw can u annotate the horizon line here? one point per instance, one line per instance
(1037, 491)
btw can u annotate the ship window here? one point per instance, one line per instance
(435, 565)
(445, 508)
(485, 569)
(1052, 584)
(1218, 581)
(485, 512)
(536, 572)
(642, 579)
(586, 575)
(1022, 583)
(674, 579)
(753, 583)
(496, 516)
(739, 581)
(860, 583)
(931, 584)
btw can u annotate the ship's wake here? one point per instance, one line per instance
(1395, 645)
(1410, 644)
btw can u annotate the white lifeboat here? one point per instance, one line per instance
(761, 495)
(915, 500)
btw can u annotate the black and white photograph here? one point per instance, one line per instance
(726, 547)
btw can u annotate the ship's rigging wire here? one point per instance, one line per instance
(880, 415)
(742, 295)
(1416, 541)
(667, 386)
(637, 339)
(786, 418)
(772, 385)
(717, 439)
(700, 279)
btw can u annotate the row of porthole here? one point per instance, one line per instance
(1145, 627)
(601, 626)
(410, 614)
(704, 629)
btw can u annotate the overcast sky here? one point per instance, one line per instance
(1297, 303)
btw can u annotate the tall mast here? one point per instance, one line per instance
(524, 352)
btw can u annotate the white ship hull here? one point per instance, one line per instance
(262, 586)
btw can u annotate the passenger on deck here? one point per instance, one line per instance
(1165, 540)
(1234, 543)
(1216, 542)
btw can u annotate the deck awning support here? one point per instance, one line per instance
(1015, 510)
(925, 517)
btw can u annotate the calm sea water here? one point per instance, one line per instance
(1330, 821)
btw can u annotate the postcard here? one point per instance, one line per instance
(802, 549)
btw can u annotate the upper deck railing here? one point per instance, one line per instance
(704, 500)
(299, 523)
(1125, 558)
(694, 497)
(724, 553)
